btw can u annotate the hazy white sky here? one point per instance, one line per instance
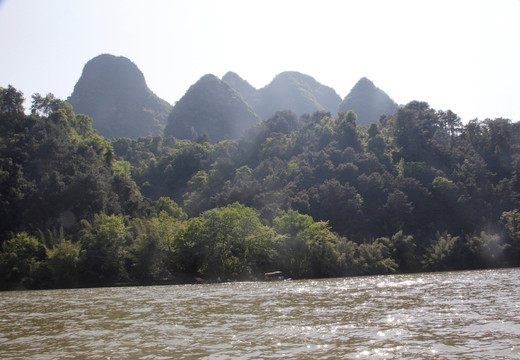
(454, 54)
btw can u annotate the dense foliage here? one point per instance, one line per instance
(312, 196)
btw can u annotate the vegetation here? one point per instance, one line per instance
(312, 196)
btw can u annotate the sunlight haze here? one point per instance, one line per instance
(458, 55)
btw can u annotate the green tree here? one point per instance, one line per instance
(45, 106)
(450, 122)
(151, 254)
(310, 249)
(292, 249)
(397, 211)
(442, 185)
(375, 258)
(404, 252)
(291, 223)
(324, 258)
(11, 101)
(104, 241)
(225, 243)
(449, 252)
(511, 222)
(63, 261)
(346, 131)
(171, 208)
(21, 257)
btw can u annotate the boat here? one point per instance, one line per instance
(274, 276)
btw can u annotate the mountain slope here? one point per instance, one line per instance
(289, 90)
(241, 86)
(297, 92)
(368, 101)
(210, 107)
(113, 91)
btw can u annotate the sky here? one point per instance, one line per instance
(456, 54)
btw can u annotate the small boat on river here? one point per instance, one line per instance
(274, 276)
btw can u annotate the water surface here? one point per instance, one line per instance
(471, 315)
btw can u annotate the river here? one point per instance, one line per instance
(468, 315)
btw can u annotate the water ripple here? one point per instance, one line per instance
(442, 316)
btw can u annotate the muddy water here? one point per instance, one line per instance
(471, 315)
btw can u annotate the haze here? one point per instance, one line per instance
(458, 55)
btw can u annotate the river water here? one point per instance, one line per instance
(468, 315)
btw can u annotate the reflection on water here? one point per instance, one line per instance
(472, 315)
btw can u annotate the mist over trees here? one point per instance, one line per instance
(315, 195)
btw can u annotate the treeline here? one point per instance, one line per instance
(314, 196)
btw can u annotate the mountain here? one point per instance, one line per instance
(289, 90)
(212, 107)
(241, 86)
(368, 101)
(297, 92)
(112, 90)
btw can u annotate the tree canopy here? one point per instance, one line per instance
(313, 196)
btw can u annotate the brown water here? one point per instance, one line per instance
(469, 315)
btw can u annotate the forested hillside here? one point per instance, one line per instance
(313, 196)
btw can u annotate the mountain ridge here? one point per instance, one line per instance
(288, 90)
(113, 91)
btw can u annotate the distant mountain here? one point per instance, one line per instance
(368, 101)
(113, 91)
(212, 107)
(297, 92)
(244, 88)
(289, 90)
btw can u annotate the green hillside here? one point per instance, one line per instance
(312, 196)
